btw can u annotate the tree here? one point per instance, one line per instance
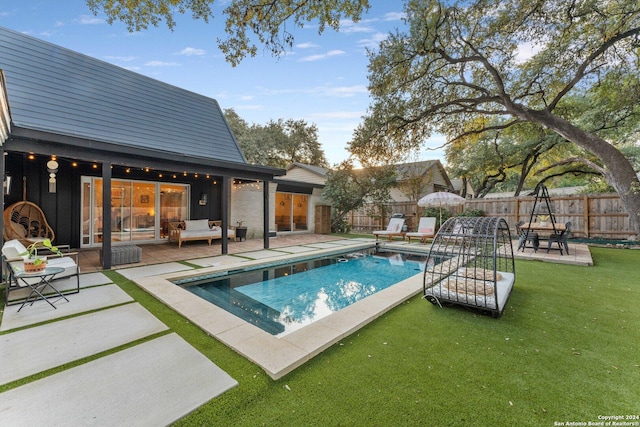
(277, 143)
(413, 181)
(349, 188)
(269, 20)
(462, 61)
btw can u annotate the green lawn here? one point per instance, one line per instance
(566, 349)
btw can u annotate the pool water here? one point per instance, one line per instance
(282, 299)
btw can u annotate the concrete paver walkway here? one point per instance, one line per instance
(150, 384)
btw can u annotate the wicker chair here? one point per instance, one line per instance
(26, 222)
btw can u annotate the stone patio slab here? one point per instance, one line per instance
(151, 384)
(29, 351)
(295, 249)
(152, 270)
(85, 300)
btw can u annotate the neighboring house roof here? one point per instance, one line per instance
(418, 168)
(301, 178)
(321, 172)
(55, 90)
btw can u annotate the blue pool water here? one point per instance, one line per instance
(285, 298)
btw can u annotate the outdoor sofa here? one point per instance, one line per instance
(198, 229)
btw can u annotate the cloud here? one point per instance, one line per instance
(374, 41)
(162, 64)
(526, 51)
(343, 115)
(348, 26)
(192, 51)
(121, 58)
(306, 45)
(326, 90)
(394, 16)
(90, 20)
(322, 56)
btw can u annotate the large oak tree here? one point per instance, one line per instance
(462, 60)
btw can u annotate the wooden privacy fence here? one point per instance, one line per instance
(591, 216)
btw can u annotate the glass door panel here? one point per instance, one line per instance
(143, 218)
(283, 211)
(174, 204)
(300, 207)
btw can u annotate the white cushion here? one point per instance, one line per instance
(13, 249)
(197, 224)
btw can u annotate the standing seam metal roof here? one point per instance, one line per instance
(56, 90)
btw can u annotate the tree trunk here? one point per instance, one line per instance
(618, 169)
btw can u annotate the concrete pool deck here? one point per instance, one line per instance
(281, 355)
(277, 355)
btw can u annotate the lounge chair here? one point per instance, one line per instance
(12, 263)
(426, 229)
(393, 229)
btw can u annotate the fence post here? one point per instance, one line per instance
(585, 215)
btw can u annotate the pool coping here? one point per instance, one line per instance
(278, 355)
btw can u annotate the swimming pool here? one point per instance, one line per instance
(284, 298)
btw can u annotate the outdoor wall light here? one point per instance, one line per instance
(52, 168)
(6, 185)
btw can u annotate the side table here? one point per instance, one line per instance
(37, 282)
(241, 233)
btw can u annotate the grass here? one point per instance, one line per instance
(564, 350)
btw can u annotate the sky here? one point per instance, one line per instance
(322, 79)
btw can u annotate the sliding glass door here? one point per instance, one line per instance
(291, 211)
(133, 210)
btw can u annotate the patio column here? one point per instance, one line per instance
(2, 173)
(226, 185)
(265, 212)
(106, 215)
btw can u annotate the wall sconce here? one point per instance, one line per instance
(6, 185)
(203, 199)
(52, 167)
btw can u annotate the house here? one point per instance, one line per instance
(298, 197)
(112, 156)
(414, 180)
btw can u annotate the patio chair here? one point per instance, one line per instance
(426, 229)
(393, 229)
(26, 222)
(12, 263)
(525, 237)
(560, 238)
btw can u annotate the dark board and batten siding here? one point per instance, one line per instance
(56, 90)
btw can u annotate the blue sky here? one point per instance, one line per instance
(322, 79)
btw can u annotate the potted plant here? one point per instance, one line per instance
(544, 219)
(34, 263)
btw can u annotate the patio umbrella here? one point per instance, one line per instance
(440, 199)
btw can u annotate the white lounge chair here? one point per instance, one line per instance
(12, 263)
(393, 229)
(426, 229)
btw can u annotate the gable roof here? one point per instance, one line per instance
(317, 170)
(59, 91)
(405, 170)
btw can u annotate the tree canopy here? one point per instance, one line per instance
(462, 63)
(269, 21)
(277, 143)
